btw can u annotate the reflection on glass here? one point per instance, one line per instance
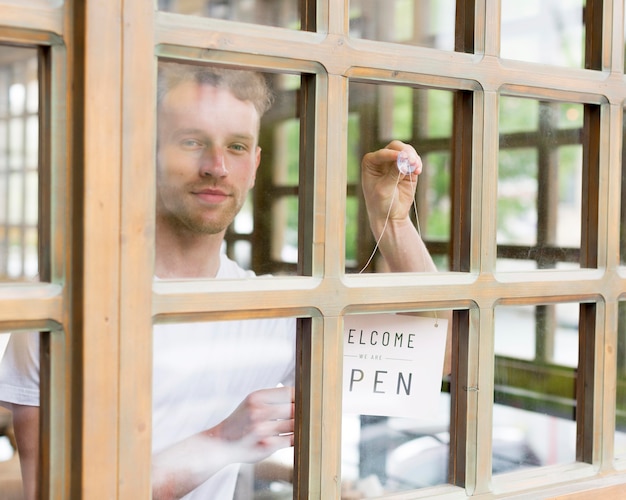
(427, 23)
(45, 4)
(230, 139)
(19, 144)
(383, 455)
(223, 395)
(284, 230)
(9, 465)
(395, 431)
(419, 117)
(622, 246)
(19, 384)
(539, 184)
(535, 372)
(281, 13)
(223, 391)
(620, 407)
(547, 32)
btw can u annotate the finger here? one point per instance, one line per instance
(272, 428)
(381, 157)
(275, 395)
(271, 411)
(400, 146)
(284, 426)
(397, 145)
(408, 163)
(396, 156)
(276, 442)
(279, 411)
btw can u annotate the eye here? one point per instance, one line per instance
(239, 147)
(191, 144)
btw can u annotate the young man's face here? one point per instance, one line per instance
(207, 157)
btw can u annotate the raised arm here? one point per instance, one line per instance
(262, 424)
(389, 197)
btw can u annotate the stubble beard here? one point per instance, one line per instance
(185, 221)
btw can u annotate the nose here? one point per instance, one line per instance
(213, 163)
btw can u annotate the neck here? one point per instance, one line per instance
(181, 254)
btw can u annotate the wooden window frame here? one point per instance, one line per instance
(98, 301)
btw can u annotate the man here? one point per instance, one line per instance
(214, 404)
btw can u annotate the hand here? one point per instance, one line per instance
(389, 195)
(380, 179)
(262, 424)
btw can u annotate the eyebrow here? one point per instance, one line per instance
(198, 131)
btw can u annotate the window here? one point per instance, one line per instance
(520, 130)
(19, 130)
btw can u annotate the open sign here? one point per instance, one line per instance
(393, 365)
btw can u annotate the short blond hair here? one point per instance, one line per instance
(245, 85)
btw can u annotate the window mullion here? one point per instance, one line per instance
(137, 248)
(93, 333)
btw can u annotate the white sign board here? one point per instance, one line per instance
(392, 365)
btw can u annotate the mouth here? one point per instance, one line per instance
(211, 196)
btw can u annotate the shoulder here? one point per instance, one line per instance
(230, 269)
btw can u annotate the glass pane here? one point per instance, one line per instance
(222, 396)
(10, 476)
(623, 200)
(620, 410)
(19, 384)
(536, 351)
(224, 175)
(547, 32)
(227, 206)
(281, 13)
(427, 23)
(416, 116)
(395, 431)
(19, 149)
(36, 3)
(539, 184)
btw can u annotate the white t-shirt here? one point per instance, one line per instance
(202, 371)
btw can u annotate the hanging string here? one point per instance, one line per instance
(404, 168)
(393, 197)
